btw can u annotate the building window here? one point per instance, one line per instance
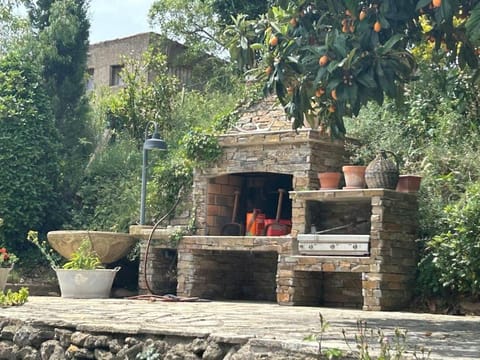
(115, 79)
(90, 73)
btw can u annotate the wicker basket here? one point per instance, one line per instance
(382, 172)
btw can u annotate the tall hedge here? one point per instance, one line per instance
(28, 150)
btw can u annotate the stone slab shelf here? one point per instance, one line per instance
(237, 243)
(348, 194)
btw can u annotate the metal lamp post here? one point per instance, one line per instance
(153, 143)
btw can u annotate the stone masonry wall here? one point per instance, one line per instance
(300, 154)
(36, 341)
(384, 279)
(103, 55)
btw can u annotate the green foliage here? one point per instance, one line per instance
(62, 29)
(7, 259)
(201, 147)
(29, 180)
(52, 257)
(191, 22)
(84, 258)
(116, 164)
(199, 24)
(368, 344)
(456, 251)
(13, 28)
(149, 353)
(227, 10)
(108, 198)
(327, 60)
(365, 340)
(14, 298)
(435, 134)
(172, 178)
(147, 96)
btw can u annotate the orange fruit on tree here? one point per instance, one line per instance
(334, 94)
(273, 41)
(319, 92)
(323, 60)
(362, 15)
(377, 26)
(436, 3)
(293, 22)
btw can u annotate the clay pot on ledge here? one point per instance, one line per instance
(329, 180)
(409, 183)
(354, 176)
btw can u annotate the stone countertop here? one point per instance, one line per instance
(263, 324)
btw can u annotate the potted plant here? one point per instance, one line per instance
(354, 172)
(83, 276)
(7, 260)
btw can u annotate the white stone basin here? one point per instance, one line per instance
(110, 246)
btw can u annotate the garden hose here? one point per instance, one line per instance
(172, 209)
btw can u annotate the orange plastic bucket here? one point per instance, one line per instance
(255, 223)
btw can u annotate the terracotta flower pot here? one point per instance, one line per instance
(354, 176)
(409, 183)
(329, 180)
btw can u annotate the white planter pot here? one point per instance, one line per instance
(3, 277)
(86, 284)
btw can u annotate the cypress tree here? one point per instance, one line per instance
(62, 29)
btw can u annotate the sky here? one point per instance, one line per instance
(113, 19)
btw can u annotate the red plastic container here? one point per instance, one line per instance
(273, 230)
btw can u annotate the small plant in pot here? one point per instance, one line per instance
(83, 276)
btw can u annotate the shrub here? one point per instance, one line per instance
(109, 197)
(29, 180)
(455, 253)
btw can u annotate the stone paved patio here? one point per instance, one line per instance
(260, 324)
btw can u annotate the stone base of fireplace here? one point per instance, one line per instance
(230, 267)
(271, 268)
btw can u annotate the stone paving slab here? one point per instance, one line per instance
(261, 324)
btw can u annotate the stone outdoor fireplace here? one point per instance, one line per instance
(261, 155)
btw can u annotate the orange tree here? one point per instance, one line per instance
(325, 59)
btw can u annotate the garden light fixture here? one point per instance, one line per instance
(152, 143)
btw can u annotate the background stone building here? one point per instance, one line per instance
(106, 58)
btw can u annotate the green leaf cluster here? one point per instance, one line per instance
(201, 146)
(14, 298)
(84, 258)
